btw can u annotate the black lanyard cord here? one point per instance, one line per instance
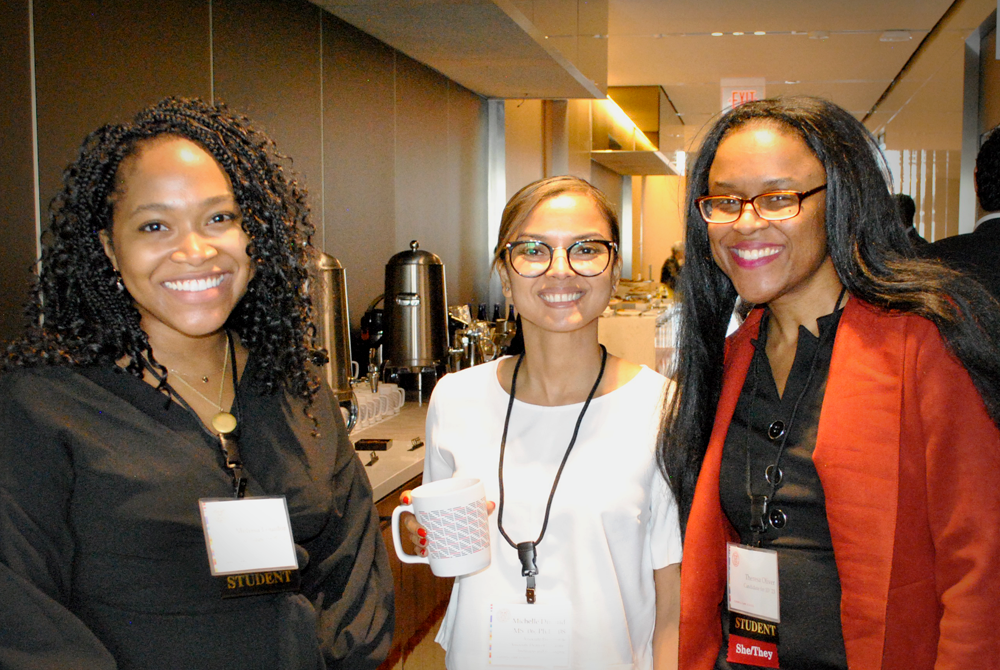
(526, 550)
(759, 503)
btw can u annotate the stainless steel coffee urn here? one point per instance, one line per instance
(416, 317)
(333, 318)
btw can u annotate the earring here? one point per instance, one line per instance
(119, 286)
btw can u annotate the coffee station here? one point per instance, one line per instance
(409, 338)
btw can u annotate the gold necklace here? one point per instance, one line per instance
(224, 422)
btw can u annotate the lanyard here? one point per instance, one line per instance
(526, 550)
(759, 502)
(224, 422)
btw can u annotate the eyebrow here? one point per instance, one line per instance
(780, 183)
(592, 235)
(162, 207)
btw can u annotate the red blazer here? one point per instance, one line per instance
(910, 466)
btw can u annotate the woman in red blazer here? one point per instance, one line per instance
(837, 460)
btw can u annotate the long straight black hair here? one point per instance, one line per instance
(870, 252)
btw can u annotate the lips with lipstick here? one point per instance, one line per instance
(754, 256)
(194, 285)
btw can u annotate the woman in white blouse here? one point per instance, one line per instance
(562, 435)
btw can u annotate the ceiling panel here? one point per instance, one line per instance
(488, 48)
(643, 17)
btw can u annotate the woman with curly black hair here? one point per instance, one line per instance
(836, 461)
(164, 400)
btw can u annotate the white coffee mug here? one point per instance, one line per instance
(458, 533)
(395, 394)
(374, 404)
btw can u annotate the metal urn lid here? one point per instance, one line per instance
(415, 256)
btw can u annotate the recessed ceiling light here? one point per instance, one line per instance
(793, 82)
(738, 32)
(759, 32)
(716, 34)
(819, 35)
(895, 36)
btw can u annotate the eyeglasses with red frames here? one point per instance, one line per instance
(771, 206)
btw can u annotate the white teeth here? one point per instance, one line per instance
(561, 297)
(754, 254)
(194, 285)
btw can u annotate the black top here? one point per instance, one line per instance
(102, 556)
(976, 253)
(810, 634)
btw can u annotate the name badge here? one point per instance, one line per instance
(536, 635)
(250, 544)
(752, 580)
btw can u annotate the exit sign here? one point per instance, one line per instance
(735, 92)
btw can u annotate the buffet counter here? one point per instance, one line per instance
(420, 596)
(398, 464)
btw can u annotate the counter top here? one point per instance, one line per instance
(397, 465)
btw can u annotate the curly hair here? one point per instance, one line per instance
(870, 253)
(988, 173)
(80, 315)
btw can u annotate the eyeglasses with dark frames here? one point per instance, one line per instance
(533, 258)
(771, 206)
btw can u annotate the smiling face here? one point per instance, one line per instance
(561, 300)
(176, 239)
(774, 262)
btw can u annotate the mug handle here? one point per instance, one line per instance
(402, 396)
(355, 369)
(398, 543)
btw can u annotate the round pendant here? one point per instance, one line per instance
(224, 422)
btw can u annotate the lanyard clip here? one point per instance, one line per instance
(234, 463)
(526, 552)
(758, 513)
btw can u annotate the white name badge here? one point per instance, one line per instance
(753, 582)
(247, 535)
(530, 635)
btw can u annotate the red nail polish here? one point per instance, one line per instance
(423, 552)
(406, 499)
(421, 532)
(423, 541)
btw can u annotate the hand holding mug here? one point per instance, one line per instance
(416, 533)
(452, 513)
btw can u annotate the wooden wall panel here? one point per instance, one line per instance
(467, 177)
(422, 211)
(266, 58)
(99, 61)
(358, 146)
(389, 149)
(17, 194)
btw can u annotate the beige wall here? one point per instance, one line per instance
(389, 149)
(524, 151)
(659, 201)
